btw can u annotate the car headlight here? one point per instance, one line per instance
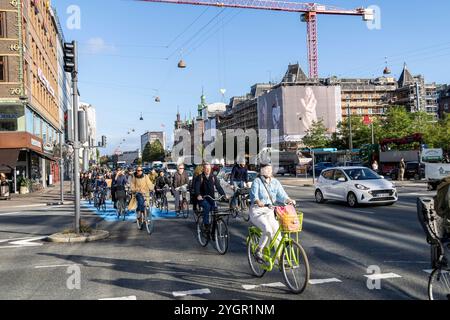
(361, 187)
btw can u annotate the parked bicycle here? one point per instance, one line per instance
(184, 203)
(218, 231)
(243, 204)
(293, 262)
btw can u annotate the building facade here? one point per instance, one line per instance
(30, 119)
(152, 136)
(444, 101)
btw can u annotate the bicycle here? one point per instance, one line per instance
(121, 196)
(100, 200)
(293, 257)
(145, 218)
(219, 229)
(243, 204)
(184, 204)
(163, 203)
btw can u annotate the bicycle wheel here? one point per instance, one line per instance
(255, 266)
(295, 267)
(149, 224)
(439, 285)
(201, 234)
(221, 237)
(119, 209)
(196, 216)
(139, 223)
(166, 205)
(185, 208)
(245, 210)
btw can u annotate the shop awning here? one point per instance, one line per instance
(8, 159)
(43, 155)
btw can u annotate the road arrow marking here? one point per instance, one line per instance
(22, 243)
(321, 281)
(380, 276)
(190, 292)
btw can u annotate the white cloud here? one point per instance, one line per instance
(98, 45)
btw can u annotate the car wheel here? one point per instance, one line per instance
(351, 200)
(319, 196)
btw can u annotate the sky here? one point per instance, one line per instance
(129, 52)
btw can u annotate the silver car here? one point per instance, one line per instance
(354, 185)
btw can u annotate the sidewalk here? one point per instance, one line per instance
(40, 198)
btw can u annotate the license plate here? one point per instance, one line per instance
(383, 195)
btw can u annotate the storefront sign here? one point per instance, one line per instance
(48, 147)
(45, 82)
(36, 143)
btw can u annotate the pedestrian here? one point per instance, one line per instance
(375, 166)
(401, 172)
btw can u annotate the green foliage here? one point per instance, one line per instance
(146, 153)
(157, 152)
(316, 136)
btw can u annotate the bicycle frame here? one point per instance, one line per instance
(285, 240)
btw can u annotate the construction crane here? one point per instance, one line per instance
(309, 15)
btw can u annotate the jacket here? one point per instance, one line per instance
(121, 181)
(206, 186)
(259, 192)
(161, 182)
(239, 174)
(442, 201)
(141, 184)
(180, 180)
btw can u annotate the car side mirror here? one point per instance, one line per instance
(341, 179)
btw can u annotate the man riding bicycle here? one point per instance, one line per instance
(206, 185)
(141, 186)
(266, 192)
(161, 182)
(180, 178)
(238, 179)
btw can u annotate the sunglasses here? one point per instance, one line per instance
(139, 170)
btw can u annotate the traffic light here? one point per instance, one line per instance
(70, 58)
(103, 141)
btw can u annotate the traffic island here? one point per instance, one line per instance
(73, 237)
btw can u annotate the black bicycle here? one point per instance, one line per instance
(218, 231)
(184, 203)
(243, 204)
(145, 218)
(100, 200)
(121, 203)
(162, 202)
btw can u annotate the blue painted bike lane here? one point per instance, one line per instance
(111, 215)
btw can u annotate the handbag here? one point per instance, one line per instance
(132, 206)
(287, 215)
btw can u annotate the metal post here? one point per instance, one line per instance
(313, 166)
(349, 115)
(76, 143)
(61, 168)
(373, 136)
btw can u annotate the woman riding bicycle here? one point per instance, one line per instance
(265, 193)
(141, 186)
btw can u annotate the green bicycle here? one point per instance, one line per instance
(293, 261)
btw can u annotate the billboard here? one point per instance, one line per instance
(293, 109)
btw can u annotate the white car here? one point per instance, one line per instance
(354, 185)
(224, 179)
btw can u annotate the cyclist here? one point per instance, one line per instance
(205, 185)
(141, 186)
(153, 175)
(161, 182)
(100, 186)
(238, 179)
(180, 178)
(197, 172)
(266, 192)
(120, 182)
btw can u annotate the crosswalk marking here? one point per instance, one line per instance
(190, 292)
(321, 281)
(121, 298)
(379, 276)
(271, 285)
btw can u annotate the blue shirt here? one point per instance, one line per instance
(259, 192)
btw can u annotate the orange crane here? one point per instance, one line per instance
(309, 15)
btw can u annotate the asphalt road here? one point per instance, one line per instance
(341, 244)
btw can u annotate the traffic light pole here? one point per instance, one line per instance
(76, 143)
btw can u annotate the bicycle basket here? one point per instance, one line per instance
(290, 220)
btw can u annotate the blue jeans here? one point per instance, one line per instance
(140, 202)
(207, 205)
(236, 184)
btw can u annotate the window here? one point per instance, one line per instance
(370, 111)
(29, 122)
(328, 174)
(339, 174)
(3, 24)
(12, 118)
(3, 70)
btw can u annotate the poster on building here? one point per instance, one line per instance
(294, 109)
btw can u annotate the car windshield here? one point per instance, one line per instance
(252, 176)
(171, 166)
(362, 174)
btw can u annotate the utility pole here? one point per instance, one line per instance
(349, 116)
(61, 168)
(71, 65)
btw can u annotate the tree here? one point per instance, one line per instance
(156, 151)
(316, 136)
(146, 155)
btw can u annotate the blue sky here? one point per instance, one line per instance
(123, 51)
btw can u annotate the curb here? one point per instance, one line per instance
(73, 238)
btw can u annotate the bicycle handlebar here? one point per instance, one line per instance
(218, 199)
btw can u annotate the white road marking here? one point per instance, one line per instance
(9, 213)
(121, 298)
(271, 285)
(190, 292)
(24, 242)
(379, 276)
(54, 266)
(321, 281)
